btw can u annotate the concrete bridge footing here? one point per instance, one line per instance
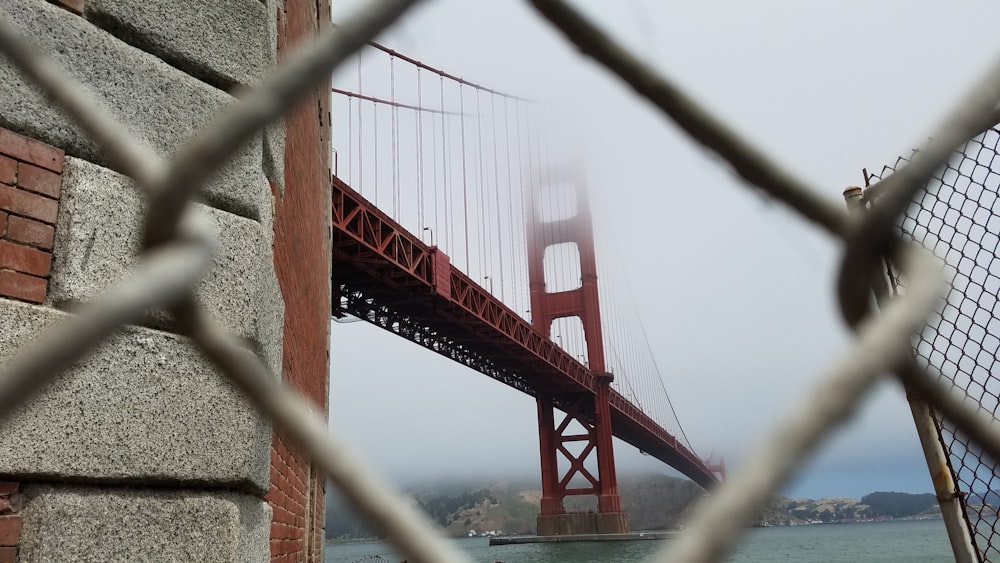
(582, 523)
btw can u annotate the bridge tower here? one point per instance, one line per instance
(592, 412)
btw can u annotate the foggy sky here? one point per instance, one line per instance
(736, 293)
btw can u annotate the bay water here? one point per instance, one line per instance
(911, 541)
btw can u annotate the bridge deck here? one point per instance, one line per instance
(389, 277)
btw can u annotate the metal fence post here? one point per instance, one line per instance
(945, 489)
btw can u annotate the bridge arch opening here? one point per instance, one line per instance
(561, 263)
(568, 333)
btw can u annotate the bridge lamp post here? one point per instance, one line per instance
(432, 234)
(490, 281)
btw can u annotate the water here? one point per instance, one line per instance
(910, 541)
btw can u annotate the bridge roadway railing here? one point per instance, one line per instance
(380, 262)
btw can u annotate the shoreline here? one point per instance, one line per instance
(665, 533)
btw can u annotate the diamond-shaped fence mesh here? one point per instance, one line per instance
(957, 217)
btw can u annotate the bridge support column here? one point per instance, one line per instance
(552, 501)
(608, 499)
(582, 425)
(588, 416)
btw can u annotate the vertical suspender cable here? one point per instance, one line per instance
(445, 175)
(540, 194)
(655, 366)
(510, 202)
(361, 136)
(350, 141)
(375, 120)
(496, 193)
(525, 219)
(481, 199)
(394, 138)
(531, 210)
(465, 184)
(535, 194)
(436, 232)
(419, 116)
(555, 227)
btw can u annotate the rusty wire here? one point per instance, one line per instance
(178, 249)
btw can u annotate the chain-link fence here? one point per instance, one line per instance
(178, 250)
(957, 217)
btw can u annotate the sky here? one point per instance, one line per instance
(735, 292)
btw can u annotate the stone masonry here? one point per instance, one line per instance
(142, 451)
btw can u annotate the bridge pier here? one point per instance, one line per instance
(590, 411)
(553, 519)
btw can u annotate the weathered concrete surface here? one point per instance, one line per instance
(582, 523)
(224, 42)
(98, 236)
(274, 155)
(162, 106)
(81, 524)
(275, 134)
(144, 407)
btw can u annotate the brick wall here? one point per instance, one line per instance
(10, 522)
(289, 499)
(30, 178)
(302, 263)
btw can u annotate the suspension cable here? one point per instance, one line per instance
(394, 138)
(465, 183)
(419, 117)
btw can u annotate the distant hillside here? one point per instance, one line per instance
(991, 498)
(653, 502)
(874, 506)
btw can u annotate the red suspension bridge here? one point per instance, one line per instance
(459, 224)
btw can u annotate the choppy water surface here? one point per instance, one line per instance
(910, 541)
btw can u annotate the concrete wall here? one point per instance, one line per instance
(142, 451)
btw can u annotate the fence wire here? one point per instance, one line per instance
(958, 218)
(883, 340)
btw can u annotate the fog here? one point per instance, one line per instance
(736, 293)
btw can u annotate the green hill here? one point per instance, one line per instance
(875, 506)
(653, 502)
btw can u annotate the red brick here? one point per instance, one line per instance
(22, 286)
(38, 180)
(3, 224)
(30, 232)
(8, 555)
(300, 213)
(30, 150)
(10, 530)
(28, 204)
(24, 259)
(8, 170)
